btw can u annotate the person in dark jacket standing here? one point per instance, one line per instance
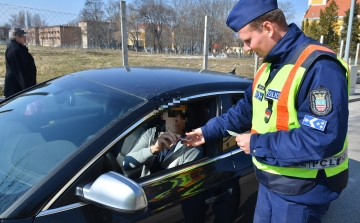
(297, 111)
(20, 65)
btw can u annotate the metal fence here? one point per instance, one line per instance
(50, 30)
(58, 29)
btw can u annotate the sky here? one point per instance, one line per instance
(74, 6)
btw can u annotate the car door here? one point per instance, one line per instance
(247, 181)
(205, 190)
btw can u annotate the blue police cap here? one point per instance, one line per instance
(246, 11)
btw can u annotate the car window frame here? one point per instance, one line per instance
(227, 101)
(48, 208)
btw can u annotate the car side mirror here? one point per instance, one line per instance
(116, 192)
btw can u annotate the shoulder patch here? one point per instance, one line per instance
(320, 101)
(314, 123)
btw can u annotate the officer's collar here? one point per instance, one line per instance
(285, 46)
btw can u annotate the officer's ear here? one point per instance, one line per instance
(268, 28)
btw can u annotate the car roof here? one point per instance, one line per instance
(152, 82)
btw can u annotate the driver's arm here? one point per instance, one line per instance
(141, 153)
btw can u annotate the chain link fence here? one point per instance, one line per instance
(62, 43)
(58, 29)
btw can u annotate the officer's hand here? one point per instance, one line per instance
(194, 138)
(243, 141)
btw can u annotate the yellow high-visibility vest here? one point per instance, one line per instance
(284, 86)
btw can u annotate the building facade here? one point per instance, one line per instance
(4, 34)
(33, 36)
(99, 34)
(314, 7)
(137, 37)
(55, 36)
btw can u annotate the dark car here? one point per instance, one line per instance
(63, 143)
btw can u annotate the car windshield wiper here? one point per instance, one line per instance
(9, 110)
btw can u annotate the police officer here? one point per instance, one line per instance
(20, 65)
(297, 111)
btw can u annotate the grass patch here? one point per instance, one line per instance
(54, 62)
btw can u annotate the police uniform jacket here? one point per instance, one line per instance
(303, 144)
(20, 69)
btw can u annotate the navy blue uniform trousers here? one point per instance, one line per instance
(271, 208)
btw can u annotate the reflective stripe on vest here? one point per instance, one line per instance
(282, 108)
(287, 81)
(326, 163)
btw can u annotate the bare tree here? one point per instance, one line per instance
(159, 16)
(28, 19)
(134, 26)
(93, 11)
(112, 10)
(189, 29)
(74, 22)
(21, 19)
(189, 25)
(181, 23)
(220, 35)
(17, 20)
(37, 21)
(94, 15)
(13, 20)
(6, 25)
(288, 8)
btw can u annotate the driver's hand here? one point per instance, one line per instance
(164, 141)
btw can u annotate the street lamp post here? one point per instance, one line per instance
(348, 37)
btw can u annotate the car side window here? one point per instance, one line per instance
(148, 149)
(229, 142)
(199, 112)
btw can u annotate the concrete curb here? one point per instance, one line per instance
(354, 100)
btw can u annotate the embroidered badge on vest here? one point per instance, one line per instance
(268, 110)
(261, 87)
(320, 101)
(259, 95)
(272, 94)
(268, 113)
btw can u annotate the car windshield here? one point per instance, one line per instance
(41, 128)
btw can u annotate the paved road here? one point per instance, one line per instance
(346, 209)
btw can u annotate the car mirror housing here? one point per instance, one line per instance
(116, 192)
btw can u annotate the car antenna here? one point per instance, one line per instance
(233, 71)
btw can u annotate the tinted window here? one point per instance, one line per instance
(133, 153)
(42, 127)
(229, 142)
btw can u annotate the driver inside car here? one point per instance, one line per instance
(160, 148)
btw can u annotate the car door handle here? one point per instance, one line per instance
(220, 197)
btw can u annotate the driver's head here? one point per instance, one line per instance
(175, 119)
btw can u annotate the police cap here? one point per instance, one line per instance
(246, 11)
